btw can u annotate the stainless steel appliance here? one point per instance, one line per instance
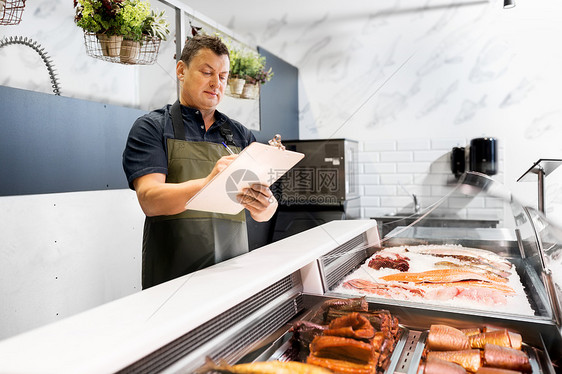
(321, 188)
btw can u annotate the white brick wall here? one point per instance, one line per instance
(391, 171)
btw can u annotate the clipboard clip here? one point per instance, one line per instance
(276, 142)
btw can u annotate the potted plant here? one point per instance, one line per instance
(156, 26)
(247, 72)
(103, 18)
(255, 75)
(236, 78)
(133, 13)
(121, 25)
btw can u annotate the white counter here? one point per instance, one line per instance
(115, 335)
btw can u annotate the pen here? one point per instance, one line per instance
(228, 148)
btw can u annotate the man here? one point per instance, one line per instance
(171, 153)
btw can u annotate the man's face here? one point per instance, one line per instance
(204, 80)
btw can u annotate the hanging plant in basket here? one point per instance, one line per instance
(247, 73)
(11, 11)
(256, 76)
(121, 31)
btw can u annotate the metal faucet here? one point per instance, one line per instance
(416, 204)
(37, 48)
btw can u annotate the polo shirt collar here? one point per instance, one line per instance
(219, 117)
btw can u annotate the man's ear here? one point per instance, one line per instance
(180, 70)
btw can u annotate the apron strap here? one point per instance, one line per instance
(179, 130)
(177, 121)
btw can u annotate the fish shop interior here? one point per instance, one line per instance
(407, 156)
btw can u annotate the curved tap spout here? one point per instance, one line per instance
(416, 204)
(37, 48)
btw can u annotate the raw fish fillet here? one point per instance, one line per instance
(516, 340)
(506, 358)
(482, 292)
(471, 331)
(341, 349)
(339, 366)
(443, 276)
(387, 261)
(354, 325)
(263, 367)
(474, 255)
(354, 304)
(446, 338)
(479, 268)
(438, 366)
(503, 288)
(383, 289)
(488, 370)
(502, 338)
(468, 358)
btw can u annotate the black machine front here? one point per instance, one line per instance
(320, 188)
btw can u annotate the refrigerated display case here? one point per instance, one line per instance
(245, 309)
(524, 237)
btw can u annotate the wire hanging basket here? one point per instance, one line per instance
(115, 49)
(11, 11)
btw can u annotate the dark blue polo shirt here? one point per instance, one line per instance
(146, 149)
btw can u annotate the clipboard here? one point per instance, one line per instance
(257, 163)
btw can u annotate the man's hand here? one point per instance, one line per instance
(156, 197)
(259, 201)
(221, 164)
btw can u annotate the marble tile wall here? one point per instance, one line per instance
(392, 171)
(417, 74)
(410, 73)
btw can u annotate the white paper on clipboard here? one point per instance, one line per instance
(257, 163)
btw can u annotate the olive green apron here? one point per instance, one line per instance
(183, 243)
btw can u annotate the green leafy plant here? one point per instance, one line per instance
(133, 13)
(264, 76)
(155, 25)
(130, 18)
(98, 16)
(249, 65)
(235, 68)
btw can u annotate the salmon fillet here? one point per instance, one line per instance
(446, 338)
(468, 358)
(443, 276)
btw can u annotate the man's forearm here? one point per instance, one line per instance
(157, 199)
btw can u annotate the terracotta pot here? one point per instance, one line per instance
(129, 51)
(236, 86)
(110, 44)
(250, 91)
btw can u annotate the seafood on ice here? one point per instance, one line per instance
(475, 256)
(450, 275)
(442, 276)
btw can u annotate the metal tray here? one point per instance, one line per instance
(420, 346)
(281, 346)
(414, 325)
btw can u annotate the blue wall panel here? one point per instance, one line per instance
(279, 100)
(52, 144)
